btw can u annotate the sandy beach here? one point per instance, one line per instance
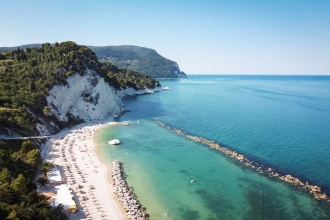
(73, 151)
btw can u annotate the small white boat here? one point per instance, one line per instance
(114, 142)
(166, 88)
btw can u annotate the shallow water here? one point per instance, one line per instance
(280, 121)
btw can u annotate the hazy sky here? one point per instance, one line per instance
(202, 36)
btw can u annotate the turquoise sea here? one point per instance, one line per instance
(282, 122)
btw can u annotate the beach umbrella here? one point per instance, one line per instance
(73, 208)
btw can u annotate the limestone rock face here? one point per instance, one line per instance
(87, 97)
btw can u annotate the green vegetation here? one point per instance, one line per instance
(44, 168)
(140, 59)
(19, 162)
(28, 74)
(128, 78)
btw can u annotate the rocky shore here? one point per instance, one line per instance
(126, 196)
(315, 191)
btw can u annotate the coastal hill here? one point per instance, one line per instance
(45, 89)
(139, 59)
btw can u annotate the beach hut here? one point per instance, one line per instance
(55, 177)
(64, 197)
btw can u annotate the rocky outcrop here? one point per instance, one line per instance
(88, 97)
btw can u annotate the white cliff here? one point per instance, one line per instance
(88, 97)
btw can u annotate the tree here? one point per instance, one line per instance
(19, 185)
(33, 157)
(5, 176)
(26, 146)
(43, 181)
(6, 194)
(46, 167)
(13, 215)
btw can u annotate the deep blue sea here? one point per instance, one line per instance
(280, 121)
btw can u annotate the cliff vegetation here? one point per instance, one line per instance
(18, 196)
(27, 75)
(140, 59)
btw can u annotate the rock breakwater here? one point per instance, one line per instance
(314, 190)
(125, 194)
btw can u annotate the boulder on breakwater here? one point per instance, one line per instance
(125, 194)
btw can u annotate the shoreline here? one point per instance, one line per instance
(109, 168)
(74, 152)
(89, 176)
